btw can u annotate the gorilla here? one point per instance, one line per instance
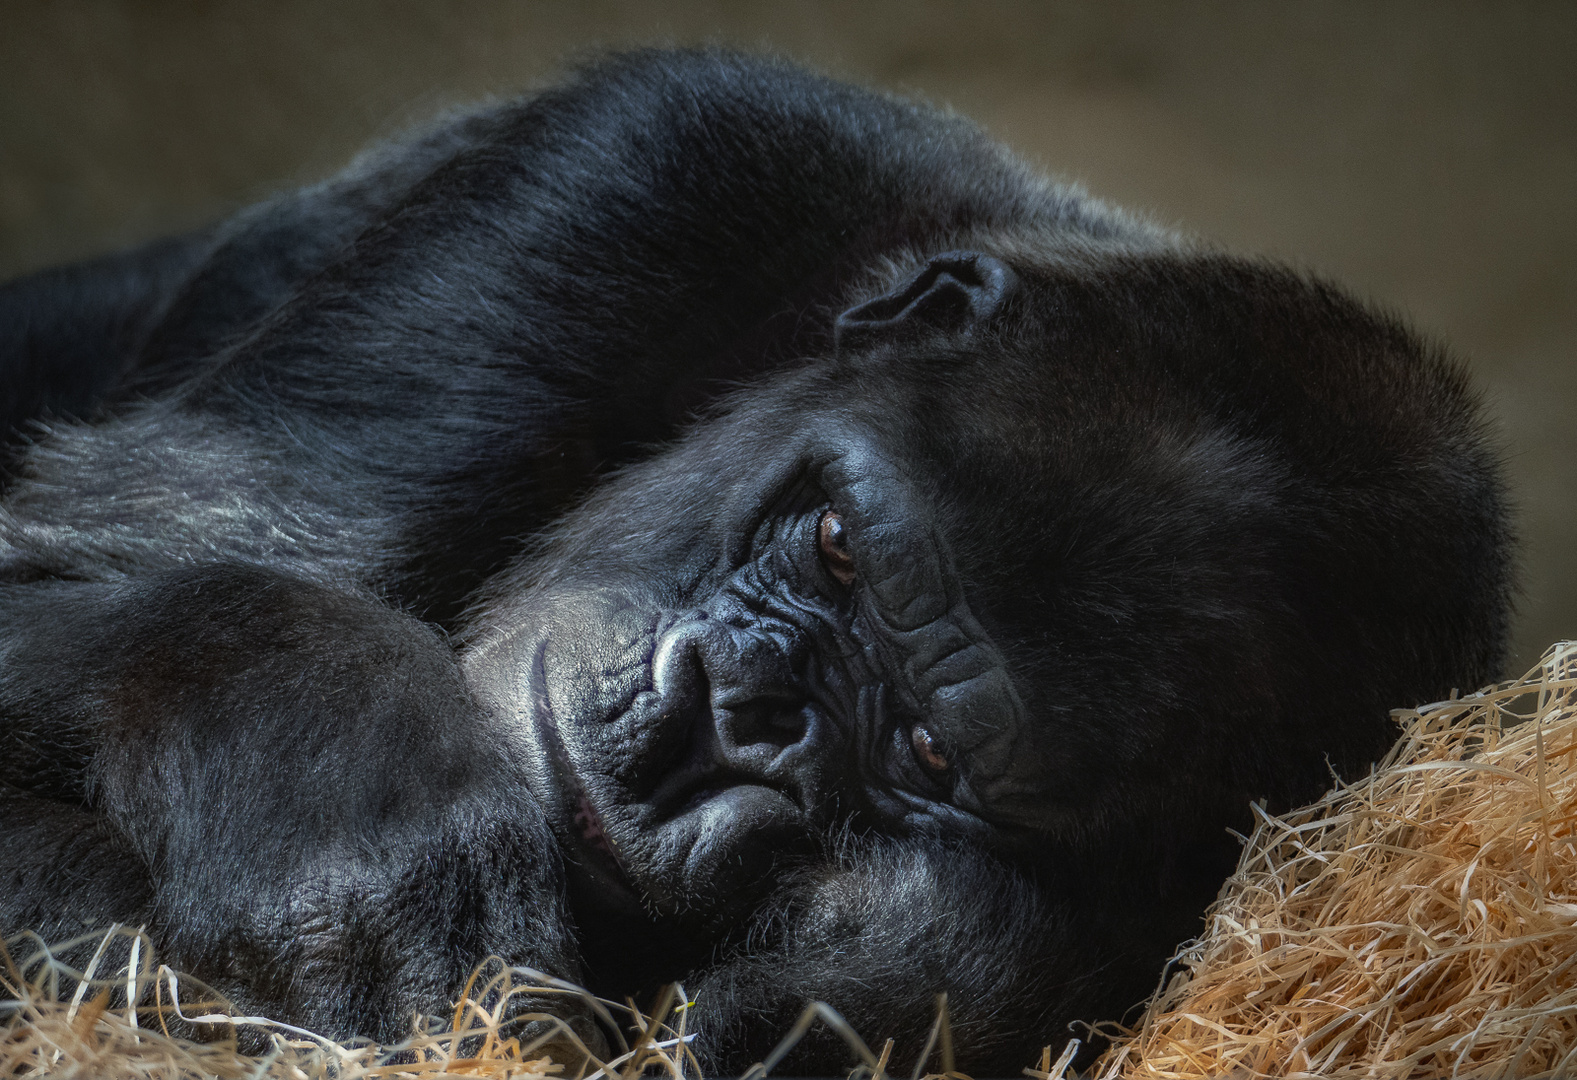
(706, 521)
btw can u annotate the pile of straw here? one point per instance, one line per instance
(114, 1019)
(1419, 923)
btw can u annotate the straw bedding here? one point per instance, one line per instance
(1419, 923)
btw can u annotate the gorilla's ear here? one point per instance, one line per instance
(955, 291)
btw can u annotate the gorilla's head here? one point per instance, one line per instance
(1034, 555)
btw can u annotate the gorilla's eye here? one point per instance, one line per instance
(833, 540)
(928, 750)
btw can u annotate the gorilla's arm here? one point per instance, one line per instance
(290, 784)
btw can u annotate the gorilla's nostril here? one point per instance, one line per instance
(790, 721)
(769, 724)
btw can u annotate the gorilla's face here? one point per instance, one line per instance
(742, 644)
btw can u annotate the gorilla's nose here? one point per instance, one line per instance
(738, 692)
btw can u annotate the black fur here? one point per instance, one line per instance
(388, 606)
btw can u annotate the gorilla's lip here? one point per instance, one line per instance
(681, 794)
(570, 805)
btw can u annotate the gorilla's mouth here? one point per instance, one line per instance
(589, 822)
(684, 792)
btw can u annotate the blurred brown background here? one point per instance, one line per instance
(1424, 153)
